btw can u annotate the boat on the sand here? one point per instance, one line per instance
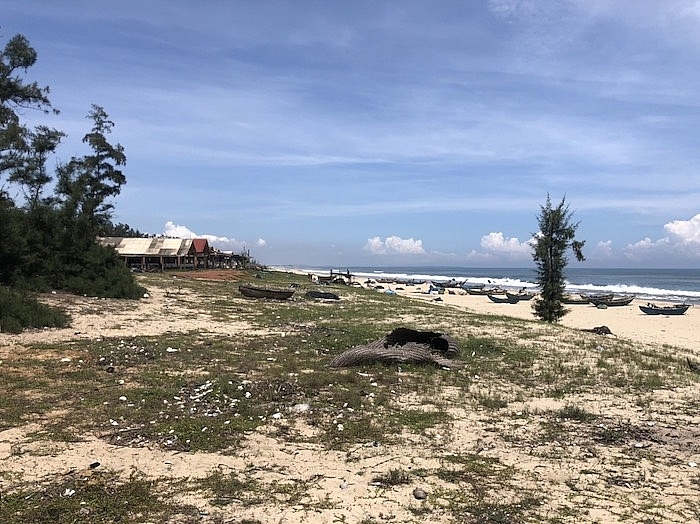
(621, 300)
(263, 292)
(486, 291)
(503, 299)
(521, 295)
(673, 309)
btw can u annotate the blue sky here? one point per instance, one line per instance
(388, 132)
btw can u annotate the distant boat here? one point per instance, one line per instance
(503, 299)
(676, 309)
(589, 297)
(571, 299)
(622, 300)
(486, 291)
(521, 295)
(261, 292)
(445, 284)
(467, 286)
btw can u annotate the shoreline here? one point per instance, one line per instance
(660, 285)
(624, 321)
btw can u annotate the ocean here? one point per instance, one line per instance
(668, 285)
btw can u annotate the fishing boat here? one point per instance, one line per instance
(675, 309)
(521, 295)
(472, 285)
(571, 299)
(621, 300)
(486, 291)
(503, 299)
(262, 292)
(589, 297)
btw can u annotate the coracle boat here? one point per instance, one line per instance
(622, 300)
(261, 292)
(675, 309)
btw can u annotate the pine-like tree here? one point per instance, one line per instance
(556, 235)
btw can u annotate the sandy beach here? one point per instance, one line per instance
(652, 459)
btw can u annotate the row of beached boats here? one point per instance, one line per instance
(497, 295)
(599, 300)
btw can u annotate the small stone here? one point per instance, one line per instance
(420, 494)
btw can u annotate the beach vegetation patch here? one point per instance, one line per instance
(20, 310)
(219, 390)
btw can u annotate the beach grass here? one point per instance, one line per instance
(529, 384)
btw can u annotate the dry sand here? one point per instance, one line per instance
(601, 480)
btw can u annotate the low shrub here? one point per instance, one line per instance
(20, 310)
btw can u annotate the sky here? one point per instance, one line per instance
(384, 133)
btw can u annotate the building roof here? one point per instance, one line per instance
(157, 247)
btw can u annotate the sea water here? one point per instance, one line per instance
(668, 285)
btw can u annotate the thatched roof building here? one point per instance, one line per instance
(161, 253)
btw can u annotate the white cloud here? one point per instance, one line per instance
(687, 231)
(172, 230)
(647, 243)
(648, 249)
(497, 243)
(605, 247)
(261, 242)
(223, 243)
(683, 242)
(394, 245)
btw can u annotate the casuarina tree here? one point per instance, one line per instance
(556, 236)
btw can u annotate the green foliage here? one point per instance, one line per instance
(20, 310)
(15, 93)
(556, 235)
(86, 184)
(98, 272)
(119, 230)
(49, 242)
